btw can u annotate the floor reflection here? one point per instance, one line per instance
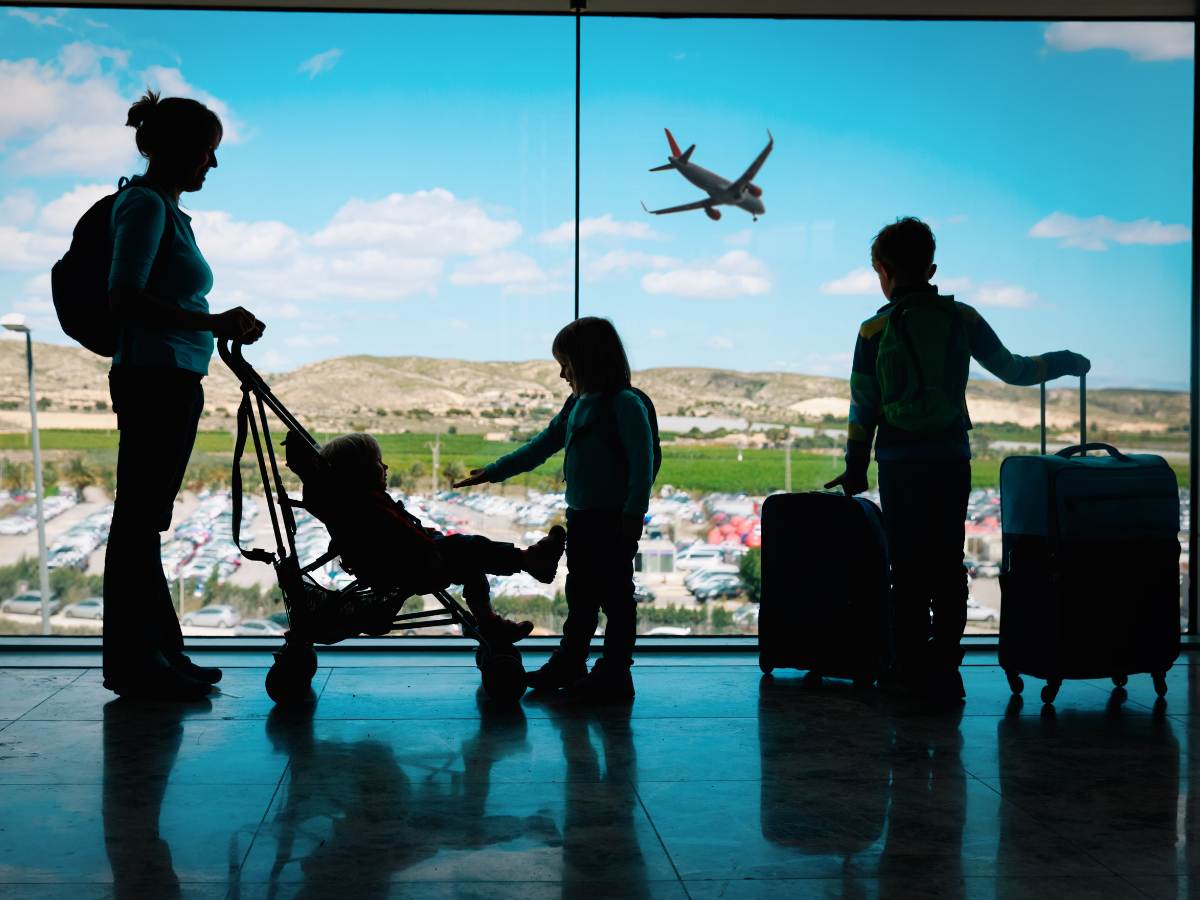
(141, 743)
(1108, 781)
(354, 814)
(600, 843)
(847, 776)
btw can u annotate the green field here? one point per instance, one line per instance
(691, 467)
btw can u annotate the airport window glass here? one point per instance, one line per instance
(391, 197)
(395, 199)
(1053, 162)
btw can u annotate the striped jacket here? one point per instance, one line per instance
(867, 423)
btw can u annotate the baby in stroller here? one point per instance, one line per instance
(387, 548)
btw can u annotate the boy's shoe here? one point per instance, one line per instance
(558, 672)
(606, 683)
(184, 665)
(541, 560)
(498, 630)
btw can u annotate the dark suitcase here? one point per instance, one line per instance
(1089, 582)
(824, 587)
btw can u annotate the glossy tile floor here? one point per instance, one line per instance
(402, 781)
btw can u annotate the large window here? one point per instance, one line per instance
(396, 199)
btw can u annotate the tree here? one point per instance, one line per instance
(454, 471)
(750, 571)
(17, 476)
(416, 471)
(107, 479)
(395, 480)
(49, 477)
(79, 475)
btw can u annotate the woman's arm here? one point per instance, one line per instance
(139, 222)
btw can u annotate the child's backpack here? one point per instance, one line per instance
(79, 281)
(606, 424)
(920, 385)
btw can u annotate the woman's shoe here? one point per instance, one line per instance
(156, 679)
(181, 663)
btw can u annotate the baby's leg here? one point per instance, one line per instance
(473, 552)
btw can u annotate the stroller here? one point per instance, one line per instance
(316, 614)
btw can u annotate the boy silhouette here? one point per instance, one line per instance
(908, 397)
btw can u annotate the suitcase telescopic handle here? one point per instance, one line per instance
(1083, 441)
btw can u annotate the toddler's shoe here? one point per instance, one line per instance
(498, 630)
(558, 672)
(541, 560)
(606, 683)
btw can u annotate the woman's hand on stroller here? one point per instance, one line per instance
(237, 324)
(477, 476)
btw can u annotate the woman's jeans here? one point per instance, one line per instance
(599, 577)
(157, 413)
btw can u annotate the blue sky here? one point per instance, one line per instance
(404, 184)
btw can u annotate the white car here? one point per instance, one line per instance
(259, 628)
(698, 556)
(216, 616)
(985, 614)
(696, 576)
(91, 608)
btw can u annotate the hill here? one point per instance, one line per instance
(391, 394)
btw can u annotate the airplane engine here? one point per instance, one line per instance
(713, 214)
(754, 190)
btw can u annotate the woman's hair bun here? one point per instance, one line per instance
(142, 109)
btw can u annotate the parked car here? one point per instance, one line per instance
(722, 590)
(216, 616)
(259, 628)
(29, 604)
(91, 608)
(641, 593)
(673, 630)
(698, 556)
(977, 613)
(695, 576)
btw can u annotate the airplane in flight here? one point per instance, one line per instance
(742, 193)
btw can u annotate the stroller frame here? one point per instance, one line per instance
(290, 677)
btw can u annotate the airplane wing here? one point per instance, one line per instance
(699, 204)
(748, 176)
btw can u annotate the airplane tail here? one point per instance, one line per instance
(687, 154)
(676, 157)
(671, 141)
(663, 168)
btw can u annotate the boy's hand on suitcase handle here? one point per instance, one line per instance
(851, 482)
(477, 476)
(1068, 363)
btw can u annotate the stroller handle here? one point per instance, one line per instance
(231, 355)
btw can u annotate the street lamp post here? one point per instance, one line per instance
(16, 322)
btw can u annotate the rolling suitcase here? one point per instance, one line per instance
(824, 604)
(1089, 582)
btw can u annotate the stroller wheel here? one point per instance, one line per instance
(289, 680)
(503, 674)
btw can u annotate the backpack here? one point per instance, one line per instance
(79, 281)
(920, 388)
(606, 423)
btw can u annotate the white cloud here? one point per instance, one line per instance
(1145, 41)
(740, 238)
(322, 62)
(957, 219)
(62, 213)
(37, 19)
(24, 250)
(82, 58)
(616, 262)
(171, 82)
(459, 324)
(860, 281)
(658, 333)
(514, 273)
(18, 207)
(433, 222)
(1097, 232)
(719, 343)
(601, 226)
(735, 274)
(226, 241)
(1004, 296)
(953, 285)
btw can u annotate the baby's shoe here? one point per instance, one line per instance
(499, 630)
(541, 560)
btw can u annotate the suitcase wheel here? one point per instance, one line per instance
(1160, 683)
(1120, 680)
(812, 679)
(767, 667)
(1050, 691)
(1015, 682)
